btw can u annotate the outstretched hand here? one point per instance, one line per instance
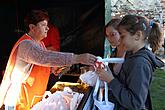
(86, 58)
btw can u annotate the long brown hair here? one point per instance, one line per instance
(150, 29)
(113, 23)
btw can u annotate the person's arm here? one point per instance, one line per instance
(133, 95)
(30, 52)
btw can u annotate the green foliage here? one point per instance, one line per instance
(158, 90)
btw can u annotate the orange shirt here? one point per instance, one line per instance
(32, 81)
(31, 90)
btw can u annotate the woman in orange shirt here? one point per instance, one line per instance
(28, 68)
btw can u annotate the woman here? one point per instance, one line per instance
(28, 68)
(130, 90)
(117, 47)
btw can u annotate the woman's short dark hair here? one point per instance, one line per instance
(35, 16)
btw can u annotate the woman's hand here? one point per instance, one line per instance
(86, 58)
(105, 75)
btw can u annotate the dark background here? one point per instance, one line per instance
(80, 23)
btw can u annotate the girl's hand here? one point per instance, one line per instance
(105, 75)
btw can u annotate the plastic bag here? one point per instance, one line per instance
(102, 105)
(60, 100)
(89, 78)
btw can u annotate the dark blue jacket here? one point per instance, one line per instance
(130, 89)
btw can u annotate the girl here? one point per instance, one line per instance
(130, 90)
(117, 47)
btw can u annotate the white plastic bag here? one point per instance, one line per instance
(56, 101)
(60, 100)
(102, 105)
(89, 78)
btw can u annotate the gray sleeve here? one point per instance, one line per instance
(30, 52)
(133, 94)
